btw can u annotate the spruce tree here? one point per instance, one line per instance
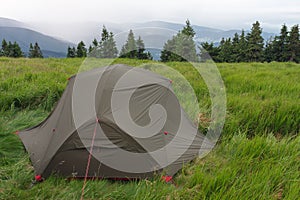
(31, 51)
(71, 52)
(181, 47)
(255, 45)
(90, 49)
(35, 51)
(226, 50)
(106, 47)
(188, 30)
(235, 48)
(4, 48)
(141, 54)
(168, 52)
(109, 49)
(279, 45)
(269, 54)
(293, 47)
(104, 34)
(208, 51)
(95, 43)
(283, 42)
(81, 50)
(129, 49)
(14, 50)
(242, 48)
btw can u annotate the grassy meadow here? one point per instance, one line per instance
(257, 156)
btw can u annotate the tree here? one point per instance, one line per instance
(235, 48)
(168, 52)
(35, 51)
(11, 49)
(293, 47)
(181, 47)
(255, 45)
(95, 43)
(134, 48)
(242, 48)
(129, 49)
(108, 47)
(71, 52)
(14, 50)
(269, 54)
(188, 30)
(208, 51)
(141, 54)
(81, 50)
(226, 50)
(4, 48)
(281, 46)
(104, 34)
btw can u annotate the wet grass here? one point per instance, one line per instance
(257, 157)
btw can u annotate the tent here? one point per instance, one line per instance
(116, 122)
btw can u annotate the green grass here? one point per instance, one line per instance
(257, 157)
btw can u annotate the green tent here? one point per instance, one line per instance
(114, 122)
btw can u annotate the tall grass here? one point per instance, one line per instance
(260, 97)
(258, 156)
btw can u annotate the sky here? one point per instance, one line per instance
(223, 14)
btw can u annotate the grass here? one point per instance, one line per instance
(257, 157)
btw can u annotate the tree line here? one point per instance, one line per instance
(9, 49)
(106, 47)
(244, 47)
(252, 48)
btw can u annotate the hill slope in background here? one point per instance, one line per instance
(12, 30)
(11, 23)
(154, 34)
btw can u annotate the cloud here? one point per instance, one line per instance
(222, 14)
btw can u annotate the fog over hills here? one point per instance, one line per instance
(154, 34)
(12, 30)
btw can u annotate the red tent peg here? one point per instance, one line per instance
(38, 178)
(167, 179)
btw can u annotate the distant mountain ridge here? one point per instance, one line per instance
(203, 34)
(12, 30)
(154, 34)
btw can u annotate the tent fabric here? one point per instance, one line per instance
(59, 146)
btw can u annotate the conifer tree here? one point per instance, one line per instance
(293, 47)
(14, 50)
(129, 49)
(225, 54)
(255, 44)
(71, 52)
(109, 49)
(242, 48)
(235, 48)
(269, 53)
(141, 54)
(134, 48)
(208, 51)
(35, 51)
(4, 48)
(181, 47)
(81, 50)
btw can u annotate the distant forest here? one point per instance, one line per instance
(253, 48)
(249, 47)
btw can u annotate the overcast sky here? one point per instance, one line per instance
(225, 14)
